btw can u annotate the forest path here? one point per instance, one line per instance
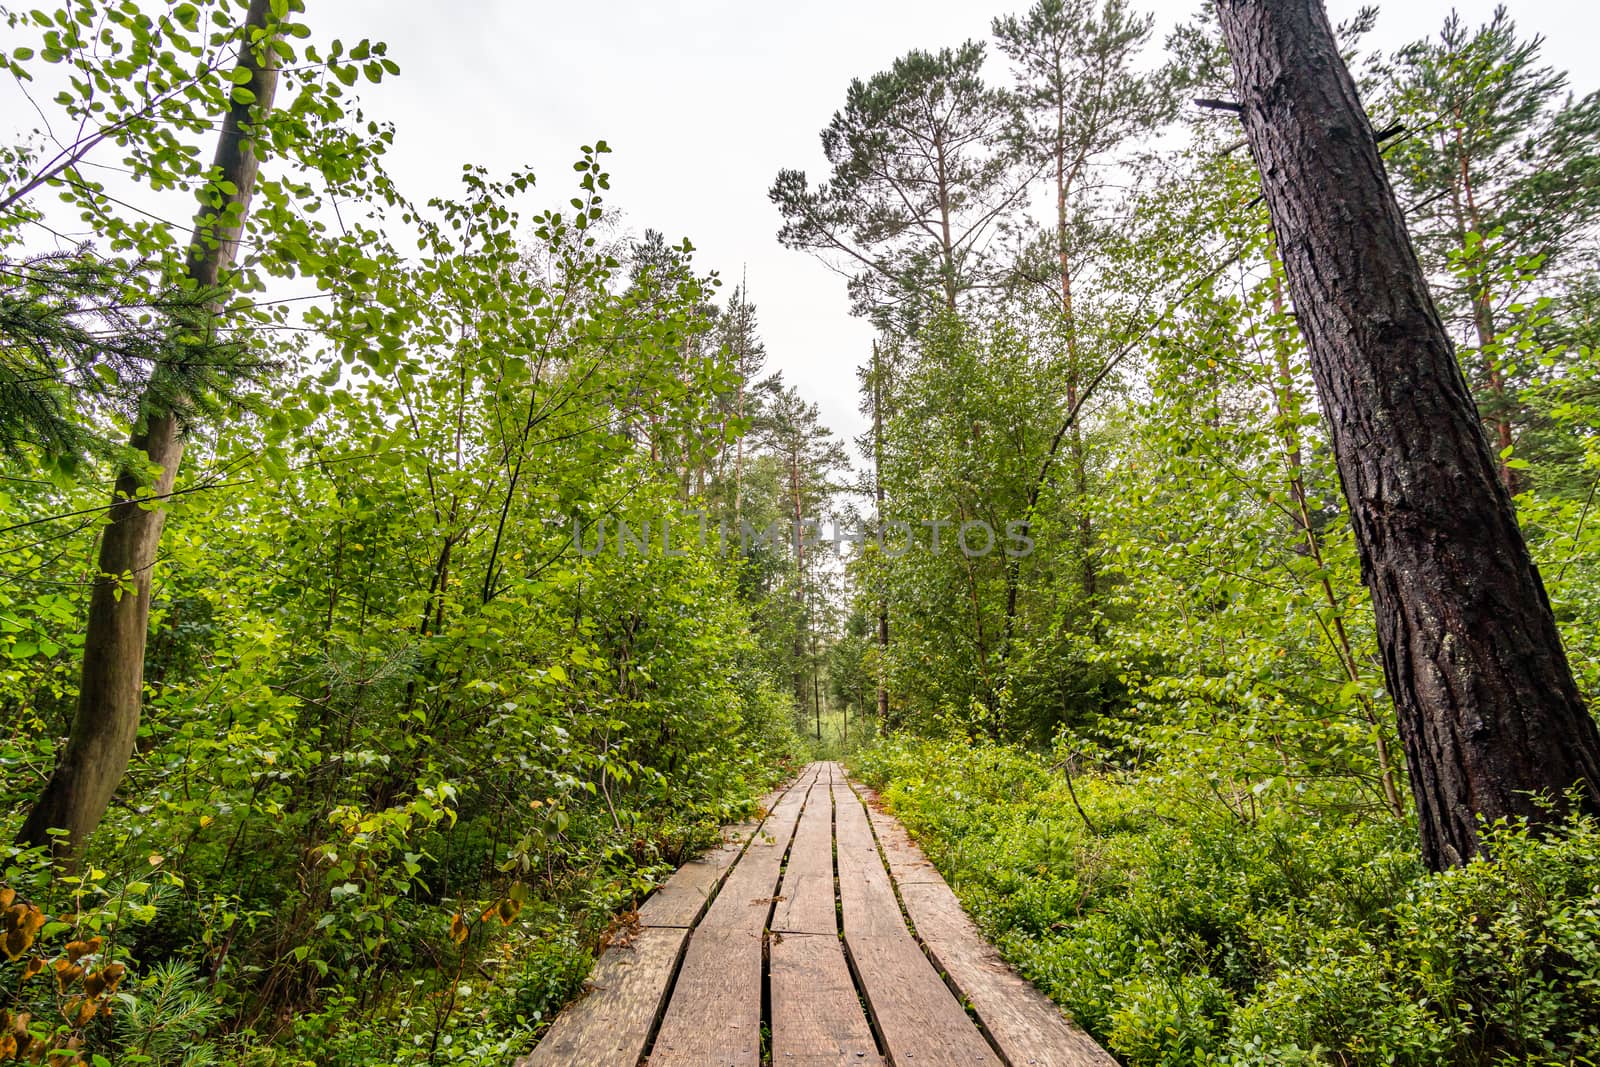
(818, 934)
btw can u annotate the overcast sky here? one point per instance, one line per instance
(703, 101)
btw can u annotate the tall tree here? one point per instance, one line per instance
(875, 390)
(112, 685)
(1079, 98)
(811, 459)
(1501, 171)
(917, 185)
(737, 332)
(1491, 720)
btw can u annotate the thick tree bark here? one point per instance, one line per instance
(111, 689)
(1488, 711)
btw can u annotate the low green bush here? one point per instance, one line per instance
(1181, 931)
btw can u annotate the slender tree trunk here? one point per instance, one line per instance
(878, 496)
(743, 359)
(947, 251)
(1288, 407)
(1065, 178)
(1469, 221)
(111, 688)
(738, 463)
(803, 621)
(1061, 209)
(1488, 712)
(816, 699)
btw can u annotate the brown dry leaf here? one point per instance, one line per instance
(67, 972)
(104, 980)
(76, 950)
(21, 923)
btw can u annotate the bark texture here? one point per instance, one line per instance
(106, 722)
(1488, 711)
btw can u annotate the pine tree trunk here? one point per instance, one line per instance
(1483, 317)
(111, 689)
(1488, 711)
(802, 614)
(878, 497)
(816, 699)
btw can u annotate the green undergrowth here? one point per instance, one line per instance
(1179, 929)
(429, 977)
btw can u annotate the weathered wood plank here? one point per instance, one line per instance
(1027, 1026)
(745, 900)
(682, 900)
(866, 895)
(714, 1016)
(805, 900)
(817, 1018)
(611, 1024)
(917, 1017)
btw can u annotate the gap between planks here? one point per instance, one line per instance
(818, 1015)
(713, 1017)
(796, 929)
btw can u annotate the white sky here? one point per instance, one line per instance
(703, 101)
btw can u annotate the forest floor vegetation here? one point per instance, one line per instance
(1182, 923)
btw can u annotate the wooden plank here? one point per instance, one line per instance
(916, 1016)
(806, 902)
(918, 1019)
(745, 901)
(714, 1016)
(1026, 1025)
(683, 898)
(628, 991)
(866, 895)
(610, 1025)
(817, 1018)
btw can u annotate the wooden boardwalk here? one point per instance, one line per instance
(818, 935)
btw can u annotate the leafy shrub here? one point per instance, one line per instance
(1179, 932)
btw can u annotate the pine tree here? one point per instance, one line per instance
(1500, 170)
(918, 184)
(1490, 716)
(811, 461)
